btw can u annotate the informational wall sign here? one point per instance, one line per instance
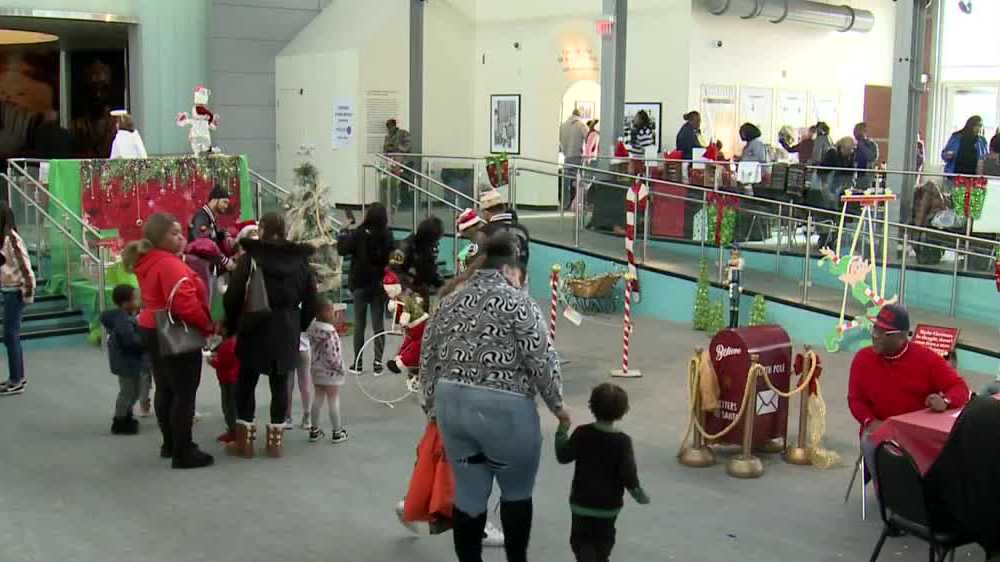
(343, 121)
(381, 106)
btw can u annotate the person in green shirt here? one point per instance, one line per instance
(605, 468)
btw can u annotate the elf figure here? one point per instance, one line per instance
(202, 122)
(408, 312)
(734, 274)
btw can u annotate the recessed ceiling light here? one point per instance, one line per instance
(18, 37)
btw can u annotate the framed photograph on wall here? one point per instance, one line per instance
(505, 123)
(653, 109)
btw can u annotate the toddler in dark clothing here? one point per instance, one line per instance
(605, 468)
(126, 357)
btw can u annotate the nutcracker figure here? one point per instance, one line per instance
(734, 274)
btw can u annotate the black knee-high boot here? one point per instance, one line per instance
(516, 519)
(468, 535)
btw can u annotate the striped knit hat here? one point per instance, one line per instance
(468, 219)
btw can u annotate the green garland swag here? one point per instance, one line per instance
(136, 171)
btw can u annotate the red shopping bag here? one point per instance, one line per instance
(431, 494)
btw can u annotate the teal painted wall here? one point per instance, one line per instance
(977, 298)
(168, 58)
(672, 299)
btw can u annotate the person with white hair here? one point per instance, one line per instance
(128, 142)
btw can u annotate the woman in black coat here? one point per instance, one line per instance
(369, 247)
(269, 343)
(421, 250)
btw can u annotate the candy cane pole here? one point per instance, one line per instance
(625, 372)
(555, 303)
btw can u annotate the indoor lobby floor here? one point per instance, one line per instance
(74, 492)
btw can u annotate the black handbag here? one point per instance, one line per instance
(256, 304)
(175, 337)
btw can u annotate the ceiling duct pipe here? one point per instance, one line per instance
(841, 18)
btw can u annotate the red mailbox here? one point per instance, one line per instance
(731, 351)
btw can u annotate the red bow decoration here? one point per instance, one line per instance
(202, 110)
(721, 202)
(800, 370)
(969, 183)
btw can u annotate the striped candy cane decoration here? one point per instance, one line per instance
(627, 333)
(555, 303)
(635, 203)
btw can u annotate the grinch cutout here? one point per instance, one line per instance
(202, 122)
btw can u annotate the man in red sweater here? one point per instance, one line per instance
(896, 376)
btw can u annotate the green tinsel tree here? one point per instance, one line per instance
(310, 221)
(702, 302)
(716, 318)
(758, 311)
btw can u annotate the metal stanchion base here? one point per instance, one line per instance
(697, 457)
(771, 446)
(797, 455)
(745, 467)
(630, 374)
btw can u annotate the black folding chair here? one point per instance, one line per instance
(903, 504)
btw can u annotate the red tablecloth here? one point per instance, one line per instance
(922, 433)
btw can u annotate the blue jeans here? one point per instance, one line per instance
(13, 308)
(488, 434)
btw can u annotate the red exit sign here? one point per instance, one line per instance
(604, 27)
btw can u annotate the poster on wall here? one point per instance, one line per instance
(826, 108)
(757, 107)
(792, 109)
(381, 105)
(586, 109)
(652, 109)
(505, 123)
(719, 116)
(343, 121)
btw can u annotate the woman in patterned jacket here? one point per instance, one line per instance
(485, 356)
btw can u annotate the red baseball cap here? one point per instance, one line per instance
(893, 318)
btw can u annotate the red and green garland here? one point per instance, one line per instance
(721, 210)
(498, 169)
(130, 173)
(969, 196)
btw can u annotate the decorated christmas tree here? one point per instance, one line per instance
(310, 221)
(702, 304)
(716, 318)
(758, 311)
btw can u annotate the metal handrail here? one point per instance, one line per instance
(428, 178)
(743, 196)
(38, 185)
(413, 185)
(269, 183)
(101, 279)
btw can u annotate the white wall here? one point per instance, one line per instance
(244, 36)
(450, 66)
(377, 35)
(534, 71)
(128, 8)
(791, 56)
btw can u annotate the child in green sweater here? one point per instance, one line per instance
(605, 468)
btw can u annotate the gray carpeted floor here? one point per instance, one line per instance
(73, 492)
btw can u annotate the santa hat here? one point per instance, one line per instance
(491, 198)
(119, 112)
(391, 284)
(468, 219)
(245, 229)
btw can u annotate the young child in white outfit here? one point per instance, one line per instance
(328, 373)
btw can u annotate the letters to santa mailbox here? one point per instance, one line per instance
(731, 351)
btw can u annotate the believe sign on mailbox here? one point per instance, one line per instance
(731, 351)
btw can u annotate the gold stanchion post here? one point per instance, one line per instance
(746, 465)
(800, 454)
(698, 455)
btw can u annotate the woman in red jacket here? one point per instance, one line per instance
(156, 261)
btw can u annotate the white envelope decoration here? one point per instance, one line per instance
(748, 172)
(767, 402)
